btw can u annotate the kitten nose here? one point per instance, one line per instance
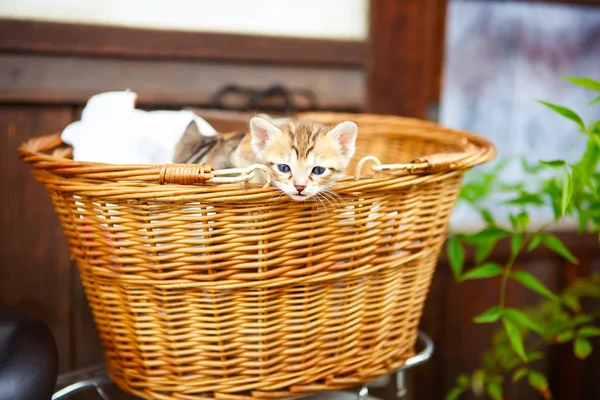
(300, 188)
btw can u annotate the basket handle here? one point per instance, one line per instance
(190, 174)
(431, 164)
(439, 162)
(185, 174)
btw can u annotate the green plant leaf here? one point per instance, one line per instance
(483, 249)
(554, 163)
(522, 220)
(515, 244)
(520, 374)
(567, 192)
(516, 341)
(587, 289)
(588, 331)
(513, 219)
(485, 241)
(478, 382)
(596, 100)
(534, 356)
(565, 112)
(531, 282)
(582, 348)
(492, 232)
(525, 199)
(506, 356)
(556, 245)
(472, 193)
(456, 257)
(582, 319)
(538, 381)
(494, 390)
(487, 216)
(581, 174)
(535, 242)
(454, 394)
(571, 301)
(489, 316)
(463, 381)
(565, 336)
(587, 83)
(554, 192)
(591, 156)
(487, 270)
(526, 166)
(522, 319)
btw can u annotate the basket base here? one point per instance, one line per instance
(320, 392)
(96, 377)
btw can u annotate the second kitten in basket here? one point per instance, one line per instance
(303, 158)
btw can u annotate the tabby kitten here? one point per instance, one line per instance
(303, 158)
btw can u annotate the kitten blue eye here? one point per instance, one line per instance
(283, 167)
(318, 170)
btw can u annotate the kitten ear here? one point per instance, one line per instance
(345, 135)
(262, 132)
(187, 143)
(233, 142)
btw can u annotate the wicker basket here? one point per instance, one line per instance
(203, 287)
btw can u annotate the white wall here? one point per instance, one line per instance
(333, 19)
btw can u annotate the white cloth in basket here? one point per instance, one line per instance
(112, 130)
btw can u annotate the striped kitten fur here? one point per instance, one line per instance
(303, 158)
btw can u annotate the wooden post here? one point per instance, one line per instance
(405, 56)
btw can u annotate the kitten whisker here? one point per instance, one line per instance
(334, 200)
(340, 198)
(320, 201)
(276, 194)
(319, 198)
(272, 196)
(326, 198)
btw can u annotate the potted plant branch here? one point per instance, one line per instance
(572, 191)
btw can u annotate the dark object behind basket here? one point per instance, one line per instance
(28, 357)
(233, 105)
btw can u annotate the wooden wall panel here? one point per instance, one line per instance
(152, 44)
(35, 264)
(85, 348)
(69, 80)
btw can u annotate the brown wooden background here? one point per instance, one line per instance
(47, 72)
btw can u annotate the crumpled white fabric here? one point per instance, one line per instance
(112, 130)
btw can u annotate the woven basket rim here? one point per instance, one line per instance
(477, 150)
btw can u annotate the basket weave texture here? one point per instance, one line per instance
(204, 287)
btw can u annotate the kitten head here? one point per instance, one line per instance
(196, 148)
(304, 158)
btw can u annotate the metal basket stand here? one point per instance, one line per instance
(96, 377)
